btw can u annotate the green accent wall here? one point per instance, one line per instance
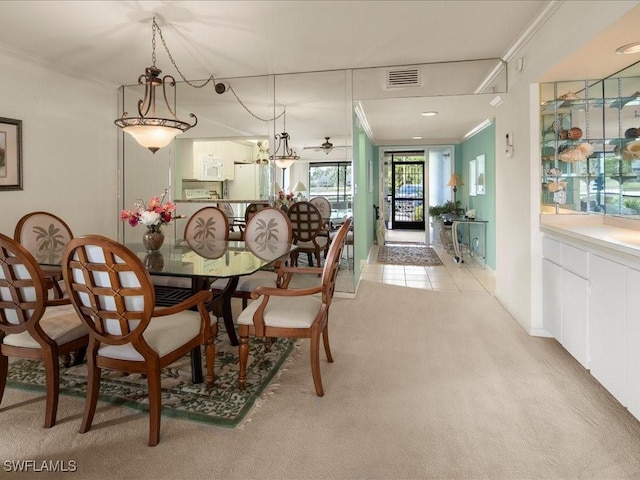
(364, 170)
(483, 142)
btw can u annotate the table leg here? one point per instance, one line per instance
(196, 365)
(227, 316)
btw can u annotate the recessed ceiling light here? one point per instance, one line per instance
(417, 138)
(429, 114)
(629, 48)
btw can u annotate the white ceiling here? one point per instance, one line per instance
(111, 41)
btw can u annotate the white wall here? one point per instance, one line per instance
(518, 278)
(69, 146)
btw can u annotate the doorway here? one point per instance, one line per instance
(407, 190)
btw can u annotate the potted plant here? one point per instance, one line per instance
(436, 212)
(448, 208)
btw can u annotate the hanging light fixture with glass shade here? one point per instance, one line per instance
(150, 130)
(284, 156)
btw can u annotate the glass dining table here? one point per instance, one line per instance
(205, 261)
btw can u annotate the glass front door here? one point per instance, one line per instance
(407, 191)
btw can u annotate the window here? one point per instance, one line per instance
(333, 181)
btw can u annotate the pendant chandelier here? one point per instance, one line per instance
(284, 155)
(149, 130)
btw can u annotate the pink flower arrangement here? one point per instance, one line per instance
(153, 215)
(285, 200)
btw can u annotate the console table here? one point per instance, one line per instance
(469, 235)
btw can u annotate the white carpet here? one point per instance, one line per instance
(424, 385)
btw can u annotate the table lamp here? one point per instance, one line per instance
(454, 181)
(300, 187)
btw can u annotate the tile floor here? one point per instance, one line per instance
(466, 277)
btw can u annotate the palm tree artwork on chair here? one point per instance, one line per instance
(51, 243)
(204, 234)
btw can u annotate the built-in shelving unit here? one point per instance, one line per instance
(590, 146)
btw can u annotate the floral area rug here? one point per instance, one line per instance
(224, 405)
(408, 255)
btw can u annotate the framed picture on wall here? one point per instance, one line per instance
(480, 175)
(472, 178)
(10, 154)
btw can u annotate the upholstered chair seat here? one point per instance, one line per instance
(61, 324)
(112, 292)
(294, 313)
(31, 324)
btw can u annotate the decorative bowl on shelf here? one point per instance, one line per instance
(569, 96)
(634, 149)
(575, 133)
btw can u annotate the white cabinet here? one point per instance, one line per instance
(607, 325)
(552, 298)
(596, 290)
(565, 297)
(632, 341)
(575, 316)
(204, 152)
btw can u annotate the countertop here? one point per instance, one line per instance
(614, 233)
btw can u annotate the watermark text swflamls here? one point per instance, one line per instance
(62, 466)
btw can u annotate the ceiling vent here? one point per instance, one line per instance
(408, 77)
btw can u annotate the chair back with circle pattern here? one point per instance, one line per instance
(206, 226)
(306, 221)
(22, 289)
(109, 287)
(252, 209)
(44, 235)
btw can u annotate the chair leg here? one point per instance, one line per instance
(4, 370)
(52, 373)
(244, 303)
(210, 356)
(155, 406)
(93, 388)
(315, 361)
(325, 340)
(66, 360)
(78, 358)
(243, 353)
(318, 258)
(310, 259)
(57, 291)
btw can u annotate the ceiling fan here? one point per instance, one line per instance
(326, 147)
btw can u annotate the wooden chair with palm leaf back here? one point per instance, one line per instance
(32, 325)
(294, 313)
(45, 235)
(112, 292)
(268, 235)
(203, 230)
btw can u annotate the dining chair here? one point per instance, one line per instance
(324, 206)
(268, 234)
(32, 325)
(228, 211)
(252, 209)
(45, 235)
(201, 232)
(294, 313)
(112, 293)
(307, 225)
